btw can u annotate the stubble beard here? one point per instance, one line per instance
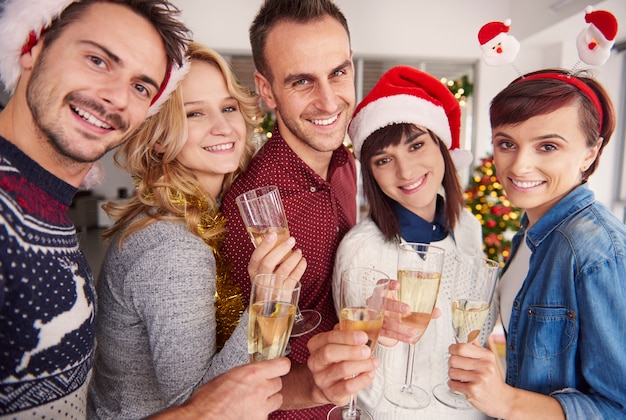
(322, 144)
(40, 100)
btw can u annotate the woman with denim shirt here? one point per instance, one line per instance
(562, 294)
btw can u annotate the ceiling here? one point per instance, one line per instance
(532, 16)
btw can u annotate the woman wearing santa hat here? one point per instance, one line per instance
(406, 133)
(563, 290)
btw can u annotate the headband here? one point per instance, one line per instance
(577, 83)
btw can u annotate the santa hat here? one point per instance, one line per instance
(407, 95)
(21, 25)
(491, 30)
(604, 21)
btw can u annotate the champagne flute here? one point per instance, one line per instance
(362, 297)
(272, 309)
(419, 273)
(474, 285)
(262, 212)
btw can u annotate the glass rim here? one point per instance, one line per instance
(488, 261)
(437, 249)
(267, 188)
(296, 285)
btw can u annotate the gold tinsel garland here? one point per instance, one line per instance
(229, 304)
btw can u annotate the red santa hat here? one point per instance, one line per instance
(491, 30)
(407, 95)
(604, 21)
(21, 24)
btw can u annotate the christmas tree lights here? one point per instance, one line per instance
(485, 198)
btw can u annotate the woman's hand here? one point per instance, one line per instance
(393, 329)
(473, 371)
(269, 258)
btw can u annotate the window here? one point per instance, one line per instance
(369, 70)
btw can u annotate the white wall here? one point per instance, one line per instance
(412, 28)
(426, 29)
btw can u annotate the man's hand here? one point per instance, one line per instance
(341, 364)
(249, 392)
(283, 259)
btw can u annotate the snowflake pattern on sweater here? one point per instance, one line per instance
(47, 299)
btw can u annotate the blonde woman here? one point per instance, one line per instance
(159, 321)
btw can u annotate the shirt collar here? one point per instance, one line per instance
(287, 157)
(415, 229)
(578, 199)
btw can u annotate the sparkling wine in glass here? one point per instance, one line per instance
(473, 289)
(419, 273)
(262, 212)
(362, 295)
(272, 310)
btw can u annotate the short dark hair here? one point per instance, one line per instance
(381, 206)
(162, 14)
(524, 99)
(274, 11)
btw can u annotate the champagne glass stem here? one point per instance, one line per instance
(352, 411)
(298, 317)
(410, 360)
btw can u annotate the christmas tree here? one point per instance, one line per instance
(499, 219)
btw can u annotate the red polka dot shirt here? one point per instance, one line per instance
(319, 213)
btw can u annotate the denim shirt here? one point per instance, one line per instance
(567, 333)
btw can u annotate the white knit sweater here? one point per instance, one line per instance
(365, 246)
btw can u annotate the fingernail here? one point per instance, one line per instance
(291, 240)
(272, 236)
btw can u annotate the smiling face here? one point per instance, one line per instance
(541, 160)
(216, 127)
(411, 172)
(312, 86)
(93, 84)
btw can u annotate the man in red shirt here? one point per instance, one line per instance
(305, 75)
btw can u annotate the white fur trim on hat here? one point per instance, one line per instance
(175, 76)
(18, 18)
(398, 109)
(462, 158)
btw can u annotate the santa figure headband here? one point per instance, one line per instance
(593, 44)
(21, 24)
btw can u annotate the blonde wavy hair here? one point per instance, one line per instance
(165, 189)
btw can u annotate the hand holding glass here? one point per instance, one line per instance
(473, 289)
(272, 309)
(262, 212)
(362, 299)
(419, 274)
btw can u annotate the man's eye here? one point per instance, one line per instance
(97, 61)
(142, 89)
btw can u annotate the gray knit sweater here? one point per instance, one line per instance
(156, 324)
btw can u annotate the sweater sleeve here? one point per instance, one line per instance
(173, 288)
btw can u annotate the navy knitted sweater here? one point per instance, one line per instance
(47, 298)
